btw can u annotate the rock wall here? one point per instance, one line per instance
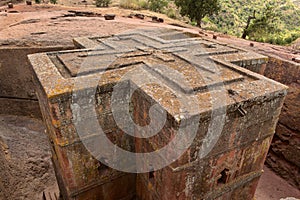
(17, 95)
(25, 169)
(3, 168)
(284, 154)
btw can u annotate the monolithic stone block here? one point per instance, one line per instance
(159, 114)
(249, 60)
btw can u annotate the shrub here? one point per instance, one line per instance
(193, 23)
(37, 1)
(157, 5)
(279, 41)
(260, 39)
(143, 4)
(134, 4)
(294, 36)
(288, 40)
(270, 40)
(53, 1)
(102, 3)
(171, 13)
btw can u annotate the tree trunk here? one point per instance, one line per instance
(245, 33)
(199, 21)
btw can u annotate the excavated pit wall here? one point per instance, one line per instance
(20, 119)
(17, 94)
(284, 154)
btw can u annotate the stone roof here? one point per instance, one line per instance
(165, 64)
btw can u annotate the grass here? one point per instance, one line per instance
(134, 4)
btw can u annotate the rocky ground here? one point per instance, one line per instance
(25, 169)
(272, 187)
(50, 25)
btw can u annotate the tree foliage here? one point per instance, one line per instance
(157, 5)
(198, 9)
(267, 23)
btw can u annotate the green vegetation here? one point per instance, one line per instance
(102, 3)
(268, 23)
(276, 21)
(134, 4)
(196, 10)
(157, 5)
(153, 5)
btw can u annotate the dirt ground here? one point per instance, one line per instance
(272, 187)
(48, 25)
(51, 25)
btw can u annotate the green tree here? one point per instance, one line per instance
(266, 24)
(197, 9)
(246, 30)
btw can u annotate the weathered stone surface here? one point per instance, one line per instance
(109, 16)
(20, 107)
(289, 198)
(17, 94)
(164, 66)
(10, 5)
(285, 153)
(25, 157)
(250, 60)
